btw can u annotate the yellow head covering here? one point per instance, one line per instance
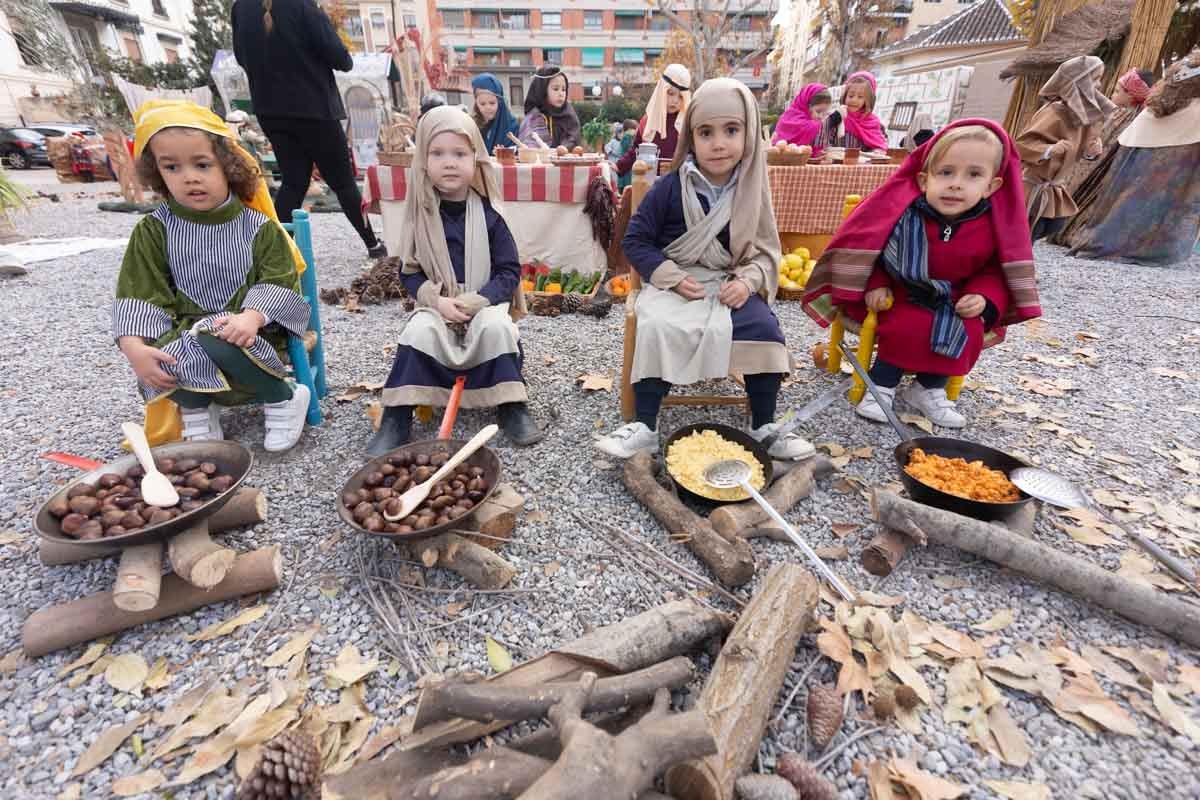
(153, 116)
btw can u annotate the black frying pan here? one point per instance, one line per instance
(947, 448)
(231, 458)
(731, 434)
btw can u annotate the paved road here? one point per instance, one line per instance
(45, 179)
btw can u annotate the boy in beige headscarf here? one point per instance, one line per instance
(709, 274)
(461, 265)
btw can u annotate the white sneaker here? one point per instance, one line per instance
(870, 409)
(934, 404)
(285, 421)
(791, 447)
(628, 440)
(202, 424)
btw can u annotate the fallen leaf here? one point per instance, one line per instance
(595, 383)
(1055, 388)
(1163, 372)
(869, 598)
(537, 516)
(207, 757)
(1173, 715)
(1190, 677)
(835, 643)
(1142, 569)
(358, 390)
(159, 677)
(94, 651)
(999, 621)
(1014, 749)
(105, 745)
(1108, 667)
(382, 741)
(833, 448)
(863, 452)
(10, 537)
(73, 792)
(140, 783)
(454, 609)
(1084, 696)
(835, 553)
(921, 785)
(297, 644)
(12, 661)
(374, 412)
(1015, 790)
(843, 529)
(349, 667)
(218, 629)
(551, 569)
(498, 657)
(950, 582)
(267, 726)
(126, 672)
(1092, 537)
(920, 421)
(1153, 665)
(352, 740)
(184, 707)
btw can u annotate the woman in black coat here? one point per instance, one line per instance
(289, 49)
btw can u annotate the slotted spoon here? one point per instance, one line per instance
(732, 472)
(156, 487)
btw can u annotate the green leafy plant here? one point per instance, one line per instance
(12, 194)
(596, 131)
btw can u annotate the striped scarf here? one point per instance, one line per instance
(906, 258)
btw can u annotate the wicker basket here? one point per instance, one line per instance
(790, 295)
(403, 159)
(787, 159)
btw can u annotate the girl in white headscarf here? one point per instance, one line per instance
(663, 120)
(460, 263)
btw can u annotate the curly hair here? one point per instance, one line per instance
(243, 176)
(1171, 93)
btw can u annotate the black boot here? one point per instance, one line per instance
(395, 429)
(517, 423)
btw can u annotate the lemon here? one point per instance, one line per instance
(801, 251)
(793, 261)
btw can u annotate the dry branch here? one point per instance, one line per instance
(746, 680)
(480, 566)
(1066, 572)
(485, 702)
(496, 773)
(732, 520)
(731, 561)
(885, 551)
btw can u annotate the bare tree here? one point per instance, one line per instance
(854, 28)
(711, 25)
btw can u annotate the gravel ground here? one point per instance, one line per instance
(67, 388)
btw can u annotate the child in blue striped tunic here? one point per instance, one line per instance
(209, 290)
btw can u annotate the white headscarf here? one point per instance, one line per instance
(676, 75)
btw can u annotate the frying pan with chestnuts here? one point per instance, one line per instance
(370, 478)
(230, 459)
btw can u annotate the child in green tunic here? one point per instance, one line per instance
(208, 290)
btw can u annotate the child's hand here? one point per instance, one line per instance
(689, 289)
(879, 299)
(734, 293)
(970, 306)
(1061, 148)
(240, 330)
(145, 361)
(451, 312)
(1095, 147)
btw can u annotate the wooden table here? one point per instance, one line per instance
(808, 200)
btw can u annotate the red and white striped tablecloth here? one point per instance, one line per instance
(519, 183)
(809, 199)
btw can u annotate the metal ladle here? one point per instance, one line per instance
(1056, 490)
(732, 472)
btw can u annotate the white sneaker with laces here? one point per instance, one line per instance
(934, 404)
(868, 408)
(791, 447)
(285, 421)
(202, 424)
(628, 440)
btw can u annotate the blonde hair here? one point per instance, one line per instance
(268, 22)
(866, 84)
(978, 133)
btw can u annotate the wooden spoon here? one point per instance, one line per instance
(156, 487)
(416, 495)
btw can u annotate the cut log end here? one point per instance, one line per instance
(139, 577)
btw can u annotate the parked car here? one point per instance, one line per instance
(21, 148)
(49, 129)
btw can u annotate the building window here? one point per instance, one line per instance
(518, 58)
(171, 54)
(880, 36)
(489, 56)
(410, 21)
(26, 46)
(902, 116)
(160, 8)
(659, 22)
(516, 93)
(593, 20)
(552, 20)
(132, 48)
(485, 19)
(592, 56)
(515, 21)
(630, 21)
(629, 55)
(354, 26)
(378, 20)
(456, 19)
(552, 54)
(743, 23)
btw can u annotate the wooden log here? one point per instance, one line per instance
(496, 519)
(1071, 574)
(745, 681)
(731, 561)
(596, 764)
(885, 551)
(485, 702)
(374, 779)
(247, 507)
(197, 559)
(493, 773)
(730, 520)
(480, 566)
(634, 643)
(139, 577)
(94, 616)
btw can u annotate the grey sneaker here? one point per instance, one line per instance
(869, 409)
(934, 404)
(791, 447)
(628, 440)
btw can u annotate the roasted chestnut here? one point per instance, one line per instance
(188, 492)
(58, 507)
(373, 479)
(208, 468)
(187, 464)
(115, 530)
(83, 504)
(198, 480)
(109, 480)
(381, 494)
(221, 483)
(350, 499)
(362, 511)
(421, 459)
(159, 515)
(81, 490)
(165, 465)
(190, 505)
(374, 523)
(71, 524)
(92, 529)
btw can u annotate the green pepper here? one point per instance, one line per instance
(542, 280)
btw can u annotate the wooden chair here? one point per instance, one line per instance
(641, 185)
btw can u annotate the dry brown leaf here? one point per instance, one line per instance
(961, 643)
(869, 598)
(1014, 749)
(352, 740)
(835, 553)
(1152, 664)
(843, 529)
(374, 412)
(921, 785)
(537, 516)
(1084, 696)
(835, 643)
(207, 757)
(1109, 668)
(105, 745)
(949, 582)
(1142, 569)
(1015, 790)
(999, 621)
(267, 726)
(551, 569)
(184, 707)
(160, 676)
(351, 705)
(1189, 677)
(595, 383)
(349, 667)
(833, 448)
(93, 652)
(1163, 372)
(865, 451)
(1173, 715)
(218, 709)
(1092, 537)
(920, 421)
(140, 783)
(10, 537)
(73, 791)
(12, 661)
(126, 672)
(454, 609)
(383, 740)
(879, 782)
(218, 629)
(1055, 388)
(297, 644)
(358, 390)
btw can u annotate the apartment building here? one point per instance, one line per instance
(150, 31)
(373, 25)
(606, 46)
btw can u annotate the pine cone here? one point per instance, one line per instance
(600, 304)
(572, 303)
(811, 784)
(765, 787)
(289, 766)
(906, 697)
(824, 715)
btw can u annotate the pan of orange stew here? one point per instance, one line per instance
(960, 476)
